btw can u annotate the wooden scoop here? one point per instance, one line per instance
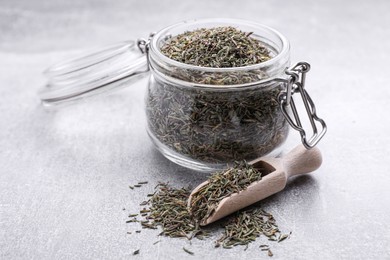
(275, 171)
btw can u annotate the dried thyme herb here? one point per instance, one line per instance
(168, 209)
(282, 237)
(216, 125)
(188, 251)
(245, 226)
(219, 47)
(221, 185)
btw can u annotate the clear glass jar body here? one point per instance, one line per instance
(204, 118)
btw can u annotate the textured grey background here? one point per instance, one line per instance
(64, 174)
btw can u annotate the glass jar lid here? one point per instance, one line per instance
(99, 71)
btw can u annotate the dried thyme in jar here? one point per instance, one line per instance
(216, 110)
(219, 47)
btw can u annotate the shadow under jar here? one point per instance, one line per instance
(203, 118)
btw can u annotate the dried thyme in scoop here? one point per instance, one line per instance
(218, 47)
(221, 185)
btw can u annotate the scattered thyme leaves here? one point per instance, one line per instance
(245, 226)
(188, 251)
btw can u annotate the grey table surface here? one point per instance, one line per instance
(64, 174)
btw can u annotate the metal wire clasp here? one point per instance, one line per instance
(143, 46)
(295, 83)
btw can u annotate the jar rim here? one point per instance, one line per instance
(285, 47)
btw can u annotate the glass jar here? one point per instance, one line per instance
(201, 118)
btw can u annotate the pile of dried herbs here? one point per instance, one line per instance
(219, 47)
(245, 226)
(167, 208)
(215, 124)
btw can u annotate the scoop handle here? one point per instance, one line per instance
(301, 160)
